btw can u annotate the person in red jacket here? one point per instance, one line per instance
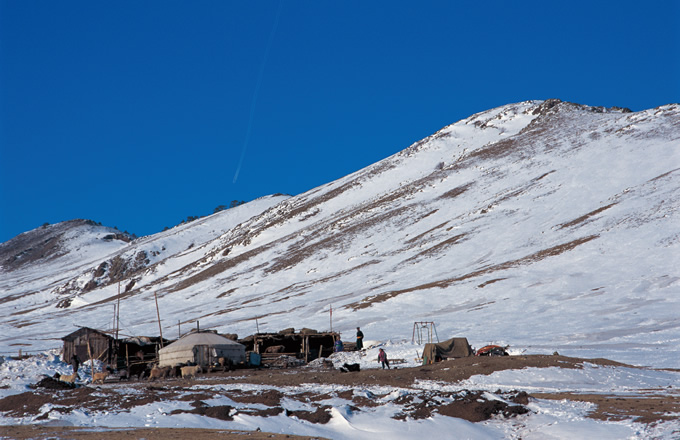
(382, 358)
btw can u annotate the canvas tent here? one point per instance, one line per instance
(201, 348)
(452, 348)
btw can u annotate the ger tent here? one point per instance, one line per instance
(201, 348)
(452, 348)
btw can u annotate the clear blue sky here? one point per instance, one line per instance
(138, 114)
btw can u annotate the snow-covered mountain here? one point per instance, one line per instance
(546, 225)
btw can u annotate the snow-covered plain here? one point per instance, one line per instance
(545, 226)
(548, 419)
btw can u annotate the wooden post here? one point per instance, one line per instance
(158, 313)
(118, 313)
(89, 353)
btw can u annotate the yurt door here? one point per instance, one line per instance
(202, 356)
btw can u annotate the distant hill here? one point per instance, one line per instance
(60, 242)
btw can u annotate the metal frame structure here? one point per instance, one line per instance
(419, 327)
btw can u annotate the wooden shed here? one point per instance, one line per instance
(87, 342)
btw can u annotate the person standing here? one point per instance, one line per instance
(360, 339)
(382, 358)
(75, 363)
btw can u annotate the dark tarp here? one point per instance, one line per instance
(452, 348)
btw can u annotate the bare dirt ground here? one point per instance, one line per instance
(52, 433)
(654, 406)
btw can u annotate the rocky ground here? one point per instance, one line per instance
(419, 403)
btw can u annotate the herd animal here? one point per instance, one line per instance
(159, 373)
(100, 377)
(191, 371)
(155, 373)
(346, 368)
(163, 372)
(71, 378)
(275, 349)
(68, 378)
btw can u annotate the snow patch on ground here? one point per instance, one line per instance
(553, 419)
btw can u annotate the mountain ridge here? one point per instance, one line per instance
(508, 203)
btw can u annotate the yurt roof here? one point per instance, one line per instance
(201, 338)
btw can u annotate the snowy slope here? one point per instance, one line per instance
(84, 253)
(38, 260)
(545, 225)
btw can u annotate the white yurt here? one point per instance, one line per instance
(201, 348)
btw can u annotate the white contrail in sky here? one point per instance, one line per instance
(257, 90)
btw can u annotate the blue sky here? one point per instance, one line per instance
(138, 114)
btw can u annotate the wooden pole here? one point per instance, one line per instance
(89, 353)
(118, 313)
(158, 313)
